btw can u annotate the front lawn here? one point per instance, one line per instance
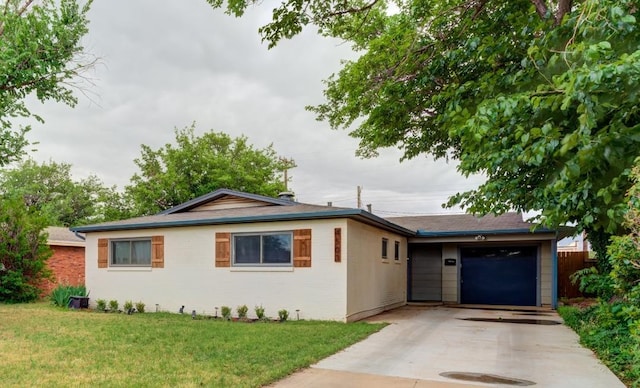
(41, 345)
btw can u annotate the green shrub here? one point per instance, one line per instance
(283, 315)
(60, 295)
(140, 307)
(590, 281)
(260, 312)
(113, 305)
(601, 329)
(23, 251)
(101, 305)
(128, 305)
(226, 312)
(242, 311)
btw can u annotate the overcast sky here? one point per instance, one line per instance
(166, 64)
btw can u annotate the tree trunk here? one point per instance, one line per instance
(541, 8)
(564, 7)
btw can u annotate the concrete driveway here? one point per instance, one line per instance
(475, 347)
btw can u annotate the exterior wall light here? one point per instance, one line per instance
(480, 237)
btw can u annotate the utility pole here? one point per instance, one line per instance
(359, 197)
(287, 163)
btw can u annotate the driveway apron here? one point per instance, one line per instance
(446, 347)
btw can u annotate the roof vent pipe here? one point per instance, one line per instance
(369, 208)
(287, 196)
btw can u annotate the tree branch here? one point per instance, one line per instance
(20, 11)
(353, 10)
(541, 8)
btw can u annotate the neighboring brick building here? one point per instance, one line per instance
(67, 261)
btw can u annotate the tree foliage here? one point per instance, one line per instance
(40, 54)
(624, 254)
(541, 97)
(197, 165)
(23, 251)
(50, 190)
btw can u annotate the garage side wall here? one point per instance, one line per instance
(450, 274)
(546, 273)
(375, 284)
(189, 276)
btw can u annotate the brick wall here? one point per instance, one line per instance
(67, 266)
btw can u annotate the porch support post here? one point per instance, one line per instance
(554, 273)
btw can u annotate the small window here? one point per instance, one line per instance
(385, 244)
(131, 252)
(396, 251)
(271, 249)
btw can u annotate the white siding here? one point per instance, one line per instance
(190, 278)
(546, 273)
(229, 202)
(374, 284)
(450, 274)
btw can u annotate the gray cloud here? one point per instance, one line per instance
(165, 64)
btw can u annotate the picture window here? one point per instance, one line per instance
(269, 249)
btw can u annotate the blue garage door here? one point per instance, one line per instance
(499, 275)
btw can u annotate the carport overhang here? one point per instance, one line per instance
(482, 236)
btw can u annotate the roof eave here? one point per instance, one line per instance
(456, 233)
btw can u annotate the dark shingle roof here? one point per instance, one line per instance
(293, 211)
(458, 224)
(285, 210)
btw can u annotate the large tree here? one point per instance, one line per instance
(50, 190)
(542, 97)
(196, 165)
(40, 55)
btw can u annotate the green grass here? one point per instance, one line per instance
(41, 345)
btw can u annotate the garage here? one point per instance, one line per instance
(499, 275)
(425, 273)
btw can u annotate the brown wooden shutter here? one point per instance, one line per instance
(103, 253)
(157, 252)
(223, 249)
(337, 245)
(302, 248)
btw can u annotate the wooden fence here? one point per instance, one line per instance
(568, 263)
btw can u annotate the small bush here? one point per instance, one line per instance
(128, 305)
(242, 311)
(140, 307)
(226, 312)
(283, 315)
(60, 295)
(101, 305)
(113, 305)
(259, 312)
